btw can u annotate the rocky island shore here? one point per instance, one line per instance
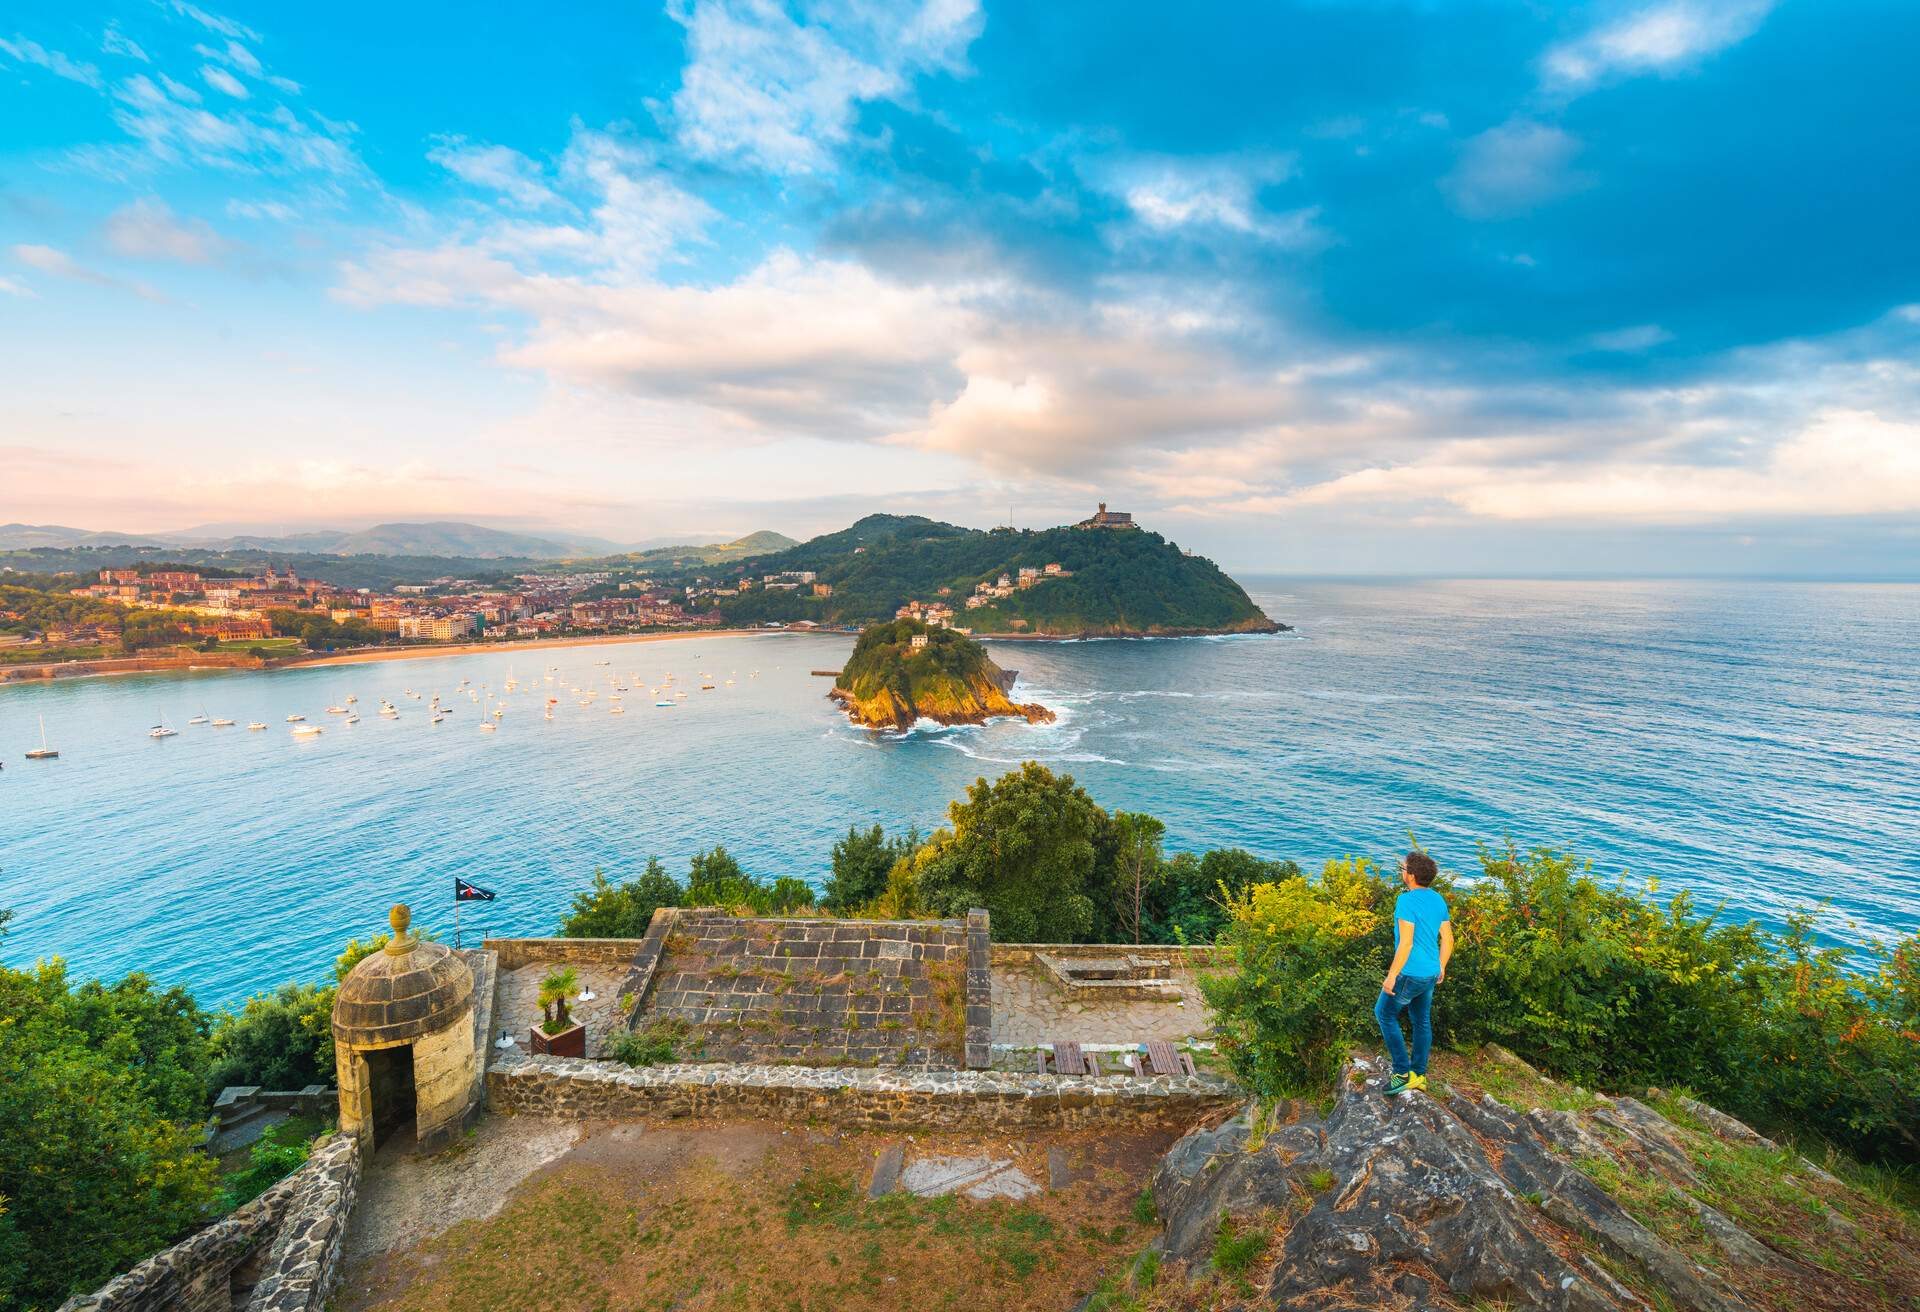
(907, 671)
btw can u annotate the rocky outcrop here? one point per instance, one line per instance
(1461, 1200)
(945, 700)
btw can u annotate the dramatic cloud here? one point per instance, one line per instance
(777, 89)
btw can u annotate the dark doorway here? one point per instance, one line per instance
(390, 1072)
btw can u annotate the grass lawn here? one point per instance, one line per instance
(753, 1215)
(278, 646)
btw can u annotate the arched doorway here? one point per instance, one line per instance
(390, 1086)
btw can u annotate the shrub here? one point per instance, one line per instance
(1596, 985)
(275, 1155)
(278, 1040)
(654, 1044)
(609, 910)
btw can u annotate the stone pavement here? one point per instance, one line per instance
(516, 1004)
(1031, 1009)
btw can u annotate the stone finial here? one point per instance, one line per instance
(400, 918)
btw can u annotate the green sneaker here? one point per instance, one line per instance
(1417, 1082)
(1398, 1085)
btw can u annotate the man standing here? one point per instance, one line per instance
(1422, 946)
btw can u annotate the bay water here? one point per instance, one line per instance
(1756, 743)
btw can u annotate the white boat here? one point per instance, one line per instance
(618, 710)
(161, 731)
(487, 726)
(351, 719)
(223, 724)
(256, 724)
(436, 719)
(295, 719)
(199, 719)
(388, 713)
(351, 699)
(666, 701)
(336, 710)
(306, 730)
(42, 752)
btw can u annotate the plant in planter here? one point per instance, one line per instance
(558, 1034)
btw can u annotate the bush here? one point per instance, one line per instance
(275, 1155)
(654, 1044)
(279, 1040)
(609, 910)
(1594, 984)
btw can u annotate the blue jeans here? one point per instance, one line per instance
(1414, 996)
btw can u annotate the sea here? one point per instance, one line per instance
(1754, 743)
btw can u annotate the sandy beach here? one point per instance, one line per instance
(369, 654)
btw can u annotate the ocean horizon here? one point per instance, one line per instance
(1750, 742)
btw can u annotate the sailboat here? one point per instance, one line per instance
(199, 719)
(42, 752)
(161, 730)
(221, 722)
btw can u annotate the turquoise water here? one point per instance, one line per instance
(1756, 742)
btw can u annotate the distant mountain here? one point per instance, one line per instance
(682, 554)
(434, 538)
(26, 537)
(1117, 581)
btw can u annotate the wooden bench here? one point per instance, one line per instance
(1161, 1057)
(1068, 1059)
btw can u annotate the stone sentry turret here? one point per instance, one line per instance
(404, 1043)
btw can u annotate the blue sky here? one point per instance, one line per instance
(1320, 286)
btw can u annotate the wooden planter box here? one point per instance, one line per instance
(570, 1042)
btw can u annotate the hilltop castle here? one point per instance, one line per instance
(1104, 518)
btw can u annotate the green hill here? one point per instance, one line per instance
(1122, 581)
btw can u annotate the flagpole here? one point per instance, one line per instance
(456, 922)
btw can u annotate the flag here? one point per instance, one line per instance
(466, 892)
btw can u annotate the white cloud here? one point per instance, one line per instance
(774, 91)
(8, 287)
(1168, 194)
(1661, 38)
(499, 169)
(148, 230)
(1511, 169)
(50, 260)
(221, 80)
(32, 52)
(116, 42)
(226, 27)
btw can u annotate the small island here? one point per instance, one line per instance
(906, 671)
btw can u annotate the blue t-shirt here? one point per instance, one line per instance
(1428, 911)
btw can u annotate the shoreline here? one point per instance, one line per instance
(368, 655)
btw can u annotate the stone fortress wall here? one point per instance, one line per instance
(275, 1254)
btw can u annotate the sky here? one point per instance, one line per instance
(1316, 286)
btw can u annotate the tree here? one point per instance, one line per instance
(1136, 844)
(609, 910)
(1023, 848)
(278, 1040)
(555, 985)
(99, 1167)
(861, 863)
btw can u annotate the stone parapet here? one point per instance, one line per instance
(513, 953)
(301, 1265)
(848, 1096)
(1172, 954)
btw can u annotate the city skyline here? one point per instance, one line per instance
(1371, 288)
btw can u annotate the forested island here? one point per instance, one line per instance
(907, 671)
(1082, 580)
